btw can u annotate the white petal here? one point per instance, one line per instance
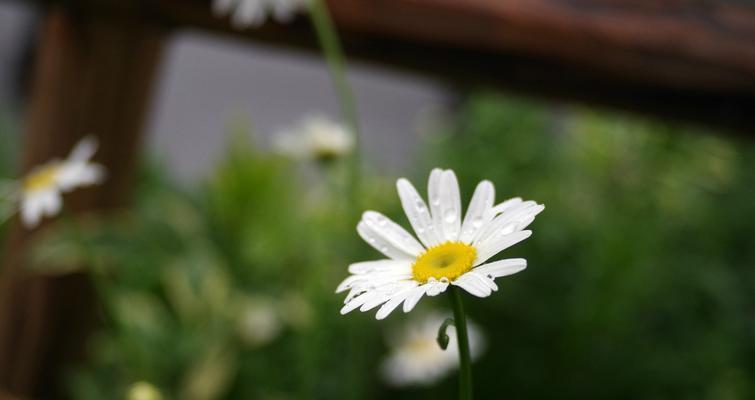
(374, 302)
(392, 233)
(480, 211)
(75, 174)
(445, 203)
(361, 299)
(376, 266)
(501, 268)
(374, 280)
(496, 244)
(435, 288)
(381, 243)
(92, 174)
(513, 219)
(418, 214)
(31, 211)
(394, 302)
(472, 284)
(486, 280)
(84, 150)
(508, 204)
(52, 203)
(414, 297)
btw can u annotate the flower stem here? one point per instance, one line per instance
(465, 362)
(334, 56)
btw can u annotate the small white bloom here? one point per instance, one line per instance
(259, 322)
(143, 391)
(253, 13)
(417, 359)
(451, 252)
(42, 189)
(315, 137)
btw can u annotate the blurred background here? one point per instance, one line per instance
(205, 267)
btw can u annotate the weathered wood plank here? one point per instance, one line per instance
(90, 77)
(684, 59)
(679, 59)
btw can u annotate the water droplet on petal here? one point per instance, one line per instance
(420, 206)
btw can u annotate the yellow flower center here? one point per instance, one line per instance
(449, 260)
(43, 178)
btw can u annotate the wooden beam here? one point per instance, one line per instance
(681, 59)
(90, 77)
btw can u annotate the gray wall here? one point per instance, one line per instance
(207, 81)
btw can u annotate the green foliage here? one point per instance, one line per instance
(640, 278)
(640, 275)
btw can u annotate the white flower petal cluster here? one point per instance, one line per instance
(416, 358)
(253, 13)
(315, 137)
(42, 188)
(450, 251)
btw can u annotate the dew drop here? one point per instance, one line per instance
(449, 216)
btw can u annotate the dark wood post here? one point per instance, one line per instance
(90, 77)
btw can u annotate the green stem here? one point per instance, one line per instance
(334, 56)
(465, 362)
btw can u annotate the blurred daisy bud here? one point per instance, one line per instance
(316, 137)
(259, 322)
(416, 359)
(143, 390)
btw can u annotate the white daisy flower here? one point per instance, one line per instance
(253, 13)
(315, 137)
(451, 252)
(417, 359)
(41, 189)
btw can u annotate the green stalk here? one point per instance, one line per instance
(465, 362)
(334, 56)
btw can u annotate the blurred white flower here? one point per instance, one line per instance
(452, 252)
(42, 189)
(315, 137)
(143, 391)
(416, 358)
(253, 13)
(259, 322)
